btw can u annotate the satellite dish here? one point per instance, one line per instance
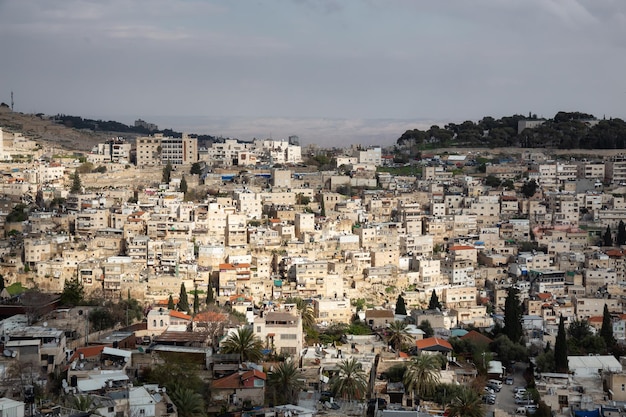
(45, 324)
(7, 353)
(14, 354)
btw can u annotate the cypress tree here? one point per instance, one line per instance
(621, 233)
(210, 299)
(76, 183)
(170, 303)
(608, 239)
(400, 305)
(167, 173)
(196, 302)
(183, 185)
(183, 301)
(606, 331)
(560, 348)
(434, 303)
(513, 316)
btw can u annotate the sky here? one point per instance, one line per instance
(330, 71)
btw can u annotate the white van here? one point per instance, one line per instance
(495, 382)
(521, 411)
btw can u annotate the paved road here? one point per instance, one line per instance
(505, 399)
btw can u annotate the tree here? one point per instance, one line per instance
(621, 233)
(76, 183)
(400, 306)
(467, 403)
(397, 335)
(507, 351)
(244, 343)
(210, 299)
(422, 375)
(183, 185)
(560, 348)
(73, 292)
(196, 168)
(350, 382)
(579, 329)
(285, 383)
(183, 301)
(434, 303)
(607, 238)
(196, 302)
(529, 188)
(305, 310)
(188, 402)
(83, 403)
(513, 315)
(427, 328)
(492, 181)
(606, 331)
(170, 303)
(167, 173)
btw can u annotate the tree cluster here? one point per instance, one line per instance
(567, 130)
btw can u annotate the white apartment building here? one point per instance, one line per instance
(371, 156)
(280, 331)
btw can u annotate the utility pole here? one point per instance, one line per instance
(12, 101)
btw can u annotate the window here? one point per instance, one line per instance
(284, 336)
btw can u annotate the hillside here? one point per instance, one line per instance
(567, 130)
(51, 134)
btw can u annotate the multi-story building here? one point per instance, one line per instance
(332, 310)
(160, 150)
(281, 331)
(115, 150)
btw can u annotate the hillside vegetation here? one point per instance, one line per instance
(573, 130)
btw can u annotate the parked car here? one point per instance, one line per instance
(524, 401)
(494, 387)
(509, 380)
(487, 399)
(489, 390)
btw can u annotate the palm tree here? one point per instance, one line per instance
(188, 402)
(466, 404)
(350, 382)
(285, 384)
(306, 312)
(245, 344)
(83, 403)
(397, 335)
(422, 374)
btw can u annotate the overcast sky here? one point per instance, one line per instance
(325, 70)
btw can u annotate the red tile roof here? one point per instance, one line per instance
(88, 352)
(544, 296)
(432, 343)
(476, 337)
(237, 379)
(179, 315)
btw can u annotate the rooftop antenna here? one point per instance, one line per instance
(12, 101)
